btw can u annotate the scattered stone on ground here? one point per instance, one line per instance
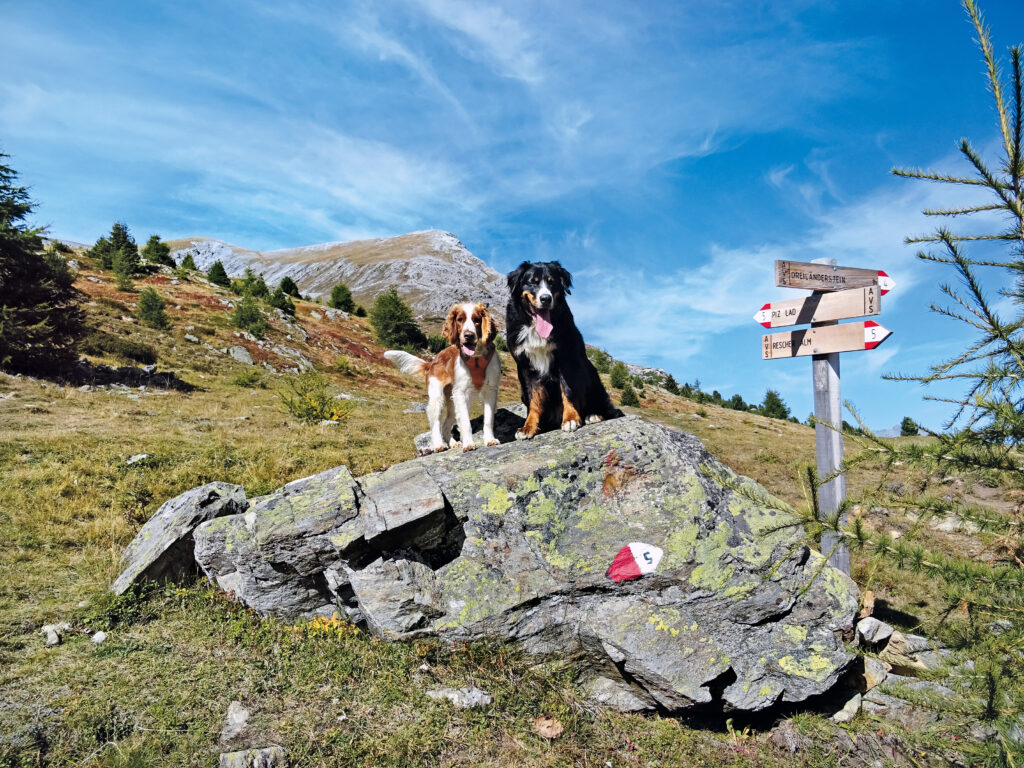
(911, 653)
(234, 722)
(98, 637)
(463, 698)
(849, 710)
(54, 633)
(136, 459)
(268, 757)
(241, 354)
(786, 737)
(547, 727)
(416, 408)
(873, 631)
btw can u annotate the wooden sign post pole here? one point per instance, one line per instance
(839, 293)
(829, 450)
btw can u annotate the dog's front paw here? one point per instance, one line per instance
(570, 426)
(521, 435)
(425, 451)
(492, 442)
(453, 443)
(594, 418)
(438, 448)
(469, 447)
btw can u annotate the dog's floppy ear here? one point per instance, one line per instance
(563, 276)
(488, 328)
(451, 326)
(515, 277)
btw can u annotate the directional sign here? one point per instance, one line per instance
(838, 305)
(825, 277)
(849, 337)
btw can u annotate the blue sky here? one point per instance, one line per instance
(666, 153)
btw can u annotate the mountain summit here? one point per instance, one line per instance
(431, 269)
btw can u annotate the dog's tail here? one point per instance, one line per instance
(407, 363)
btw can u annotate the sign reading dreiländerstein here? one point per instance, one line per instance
(826, 340)
(825, 277)
(821, 307)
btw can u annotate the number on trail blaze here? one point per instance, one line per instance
(633, 561)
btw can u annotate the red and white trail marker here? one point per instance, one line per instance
(821, 307)
(633, 561)
(824, 340)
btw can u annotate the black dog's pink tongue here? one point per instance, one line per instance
(543, 323)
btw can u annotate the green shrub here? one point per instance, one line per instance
(101, 343)
(309, 399)
(500, 344)
(251, 284)
(282, 301)
(436, 342)
(602, 360)
(250, 377)
(393, 322)
(249, 316)
(343, 366)
(702, 412)
(360, 311)
(151, 309)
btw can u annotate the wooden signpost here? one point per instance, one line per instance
(840, 293)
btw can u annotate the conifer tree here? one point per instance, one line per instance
(217, 275)
(282, 301)
(983, 597)
(156, 251)
(40, 316)
(671, 385)
(629, 395)
(341, 298)
(908, 428)
(393, 322)
(289, 287)
(188, 263)
(151, 309)
(773, 406)
(122, 267)
(619, 375)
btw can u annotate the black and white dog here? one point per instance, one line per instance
(559, 384)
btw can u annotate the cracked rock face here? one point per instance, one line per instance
(512, 543)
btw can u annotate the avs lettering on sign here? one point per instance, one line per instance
(824, 277)
(824, 340)
(821, 307)
(633, 561)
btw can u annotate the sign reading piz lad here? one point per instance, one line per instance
(824, 277)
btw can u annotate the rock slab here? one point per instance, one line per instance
(511, 543)
(163, 549)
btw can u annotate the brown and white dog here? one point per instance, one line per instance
(467, 368)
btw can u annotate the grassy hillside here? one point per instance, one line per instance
(156, 691)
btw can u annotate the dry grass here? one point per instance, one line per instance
(156, 692)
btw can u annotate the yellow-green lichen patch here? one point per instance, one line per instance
(679, 546)
(595, 517)
(475, 589)
(795, 632)
(498, 499)
(813, 667)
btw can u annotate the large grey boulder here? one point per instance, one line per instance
(512, 543)
(163, 548)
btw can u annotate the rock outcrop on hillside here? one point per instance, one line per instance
(512, 543)
(430, 269)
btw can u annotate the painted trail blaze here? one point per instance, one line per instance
(633, 561)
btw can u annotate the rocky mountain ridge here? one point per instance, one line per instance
(430, 269)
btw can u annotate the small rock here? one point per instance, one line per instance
(1000, 626)
(871, 630)
(849, 710)
(235, 722)
(787, 737)
(99, 637)
(910, 653)
(149, 370)
(190, 337)
(241, 354)
(329, 423)
(416, 408)
(54, 632)
(463, 698)
(136, 459)
(85, 388)
(74, 265)
(874, 673)
(92, 279)
(268, 757)
(316, 315)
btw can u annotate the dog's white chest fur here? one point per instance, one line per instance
(540, 351)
